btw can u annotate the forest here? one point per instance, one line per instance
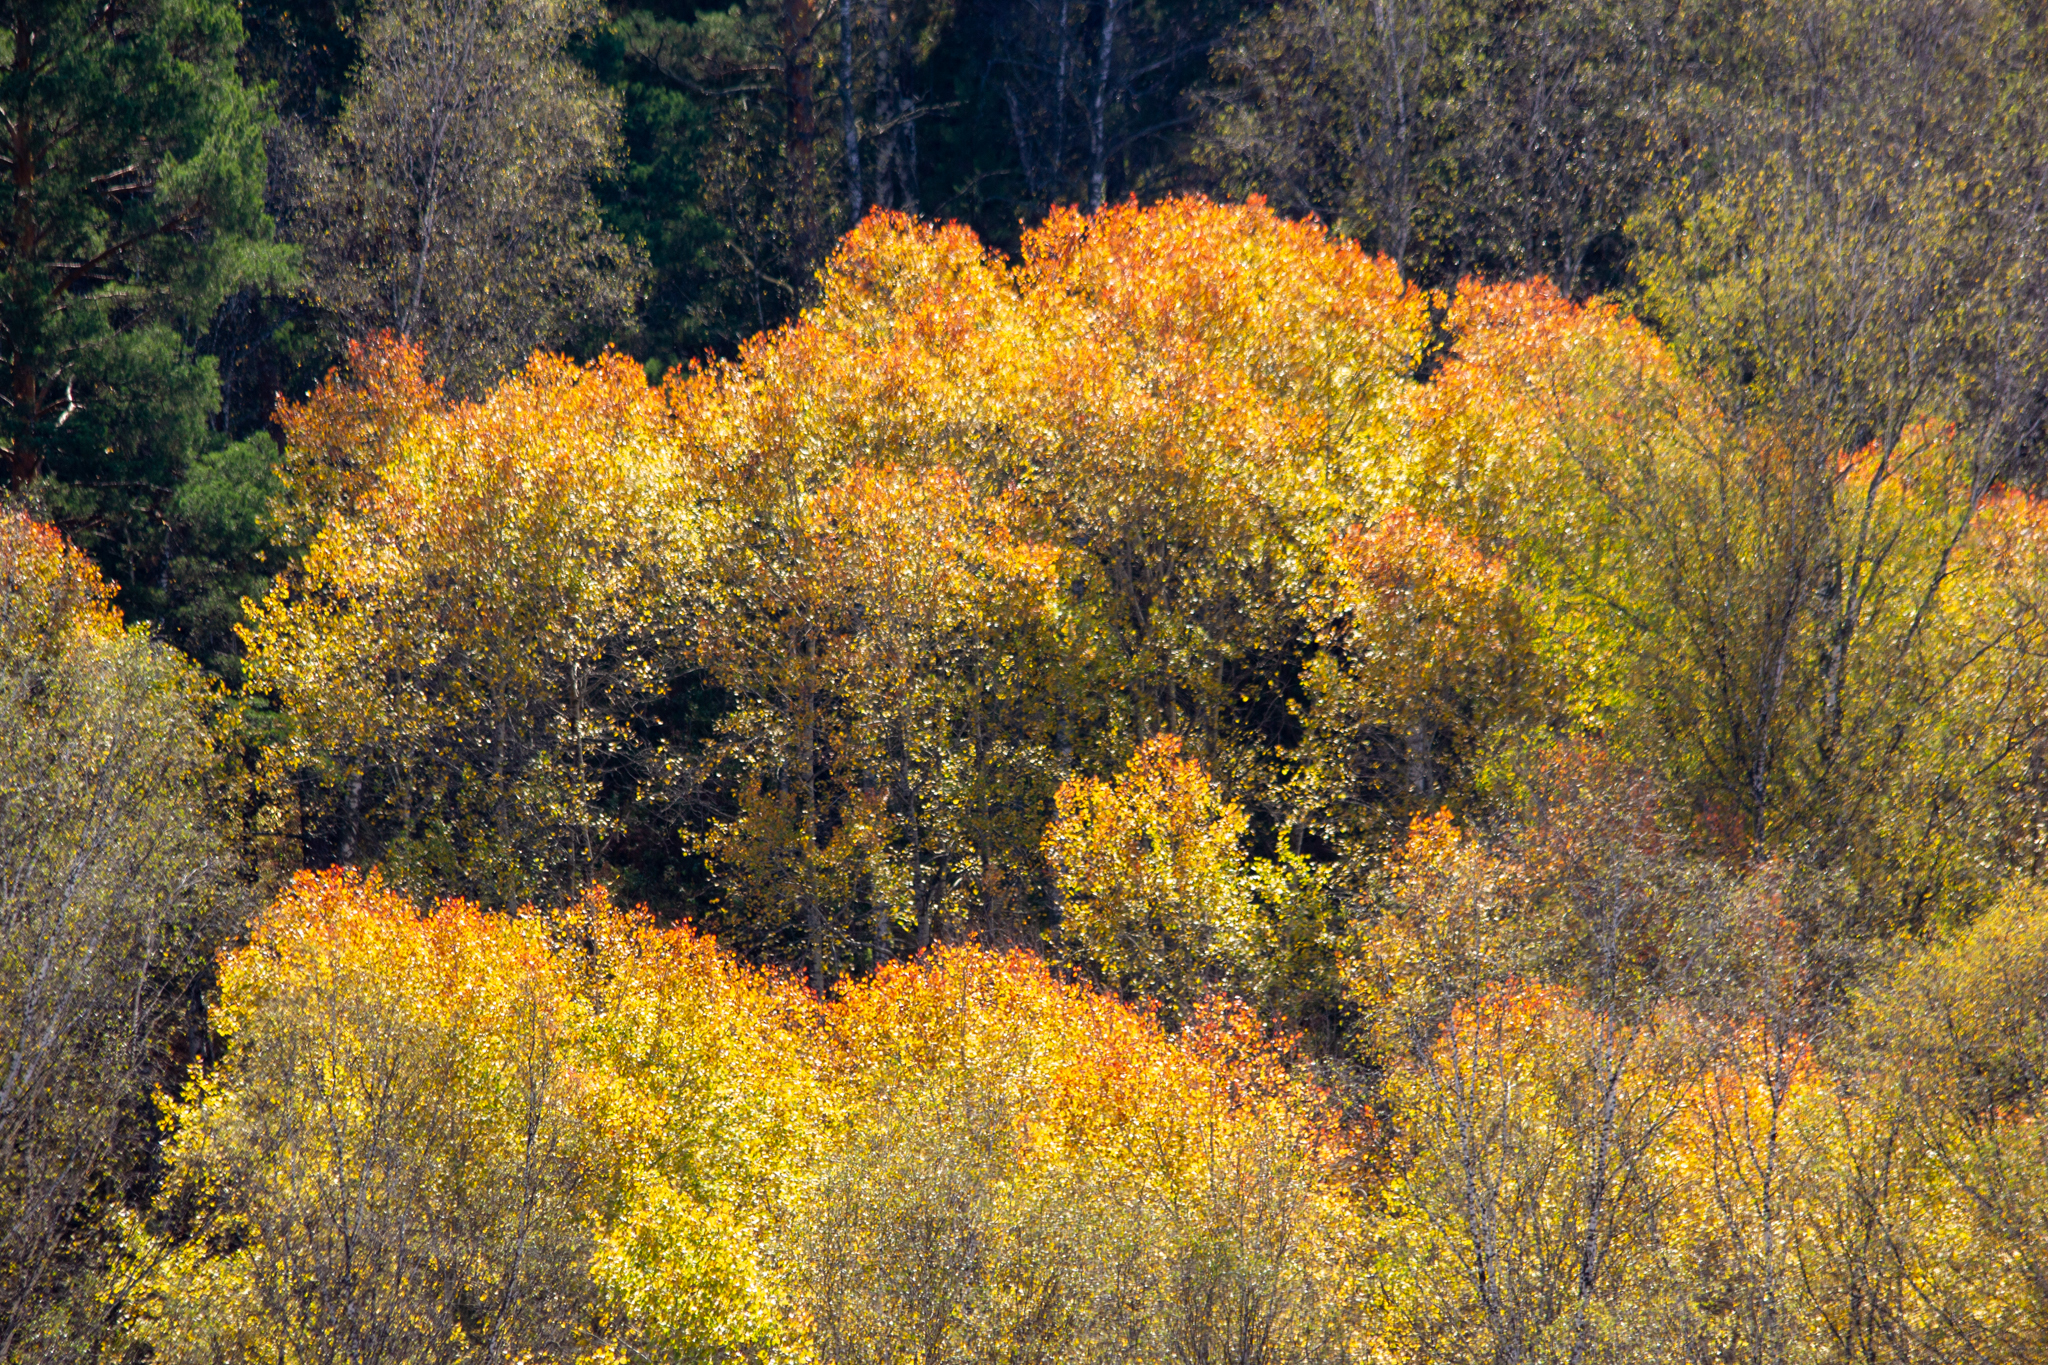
(1011, 682)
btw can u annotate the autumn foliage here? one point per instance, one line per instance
(571, 1132)
(1186, 800)
(116, 884)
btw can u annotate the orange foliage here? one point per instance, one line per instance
(1044, 505)
(2011, 531)
(610, 1135)
(1527, 374)
(340, 436)
(1182, 338)
(946, 548)
(1093, 1082)
(1173, 279)
(1430, 612)
(50, 593)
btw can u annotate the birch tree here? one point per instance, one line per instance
(451, 201)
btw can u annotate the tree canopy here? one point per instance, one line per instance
(1035, 681)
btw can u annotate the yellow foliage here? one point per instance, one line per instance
(464, 644)
(51, 596)
(1026, 1167)
(466, 1132)
(1152, 878)
(574, 1135)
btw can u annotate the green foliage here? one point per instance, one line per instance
(136, 181)
(656, 197)
(1614, 741)
(225, 532)
(758, 131)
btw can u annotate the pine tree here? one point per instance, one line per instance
(135, 169)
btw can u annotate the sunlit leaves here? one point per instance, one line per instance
(116, 886)
(450, 1135)
(1028, 1167)
(997, 524)
(456, 1135)
(1152, 878)
(465, 643)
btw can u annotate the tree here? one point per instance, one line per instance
(866, 638)
(711, 1111)
(1526, 1226)
(118, 886)
(1127, 416)
(1019, 1165)
(1957, 1028)
(659, 196)
(1326, 108)
(460, 1137)
(1089, 95)
(469, 638)
(385, 1143)
(451, 201)
(1486, 139)
(1864, 303)
(969, 529)
(1153, 884)
(1754, 1146)
(1820, 543)
(1429, 654)
(135, 167)
(781, 124)
(1820, 622)
(745, 95)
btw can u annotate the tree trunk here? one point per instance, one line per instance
(846, 108)
(1061, 64)
(802, 122)
(1098, 113)
(448, 93)
(808, 825)
(23, 458)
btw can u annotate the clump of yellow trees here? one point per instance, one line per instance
(1251, 813)
(453, 1135)
(456, 1135)
(850, 609)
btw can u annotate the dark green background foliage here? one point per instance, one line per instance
(136, 175)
